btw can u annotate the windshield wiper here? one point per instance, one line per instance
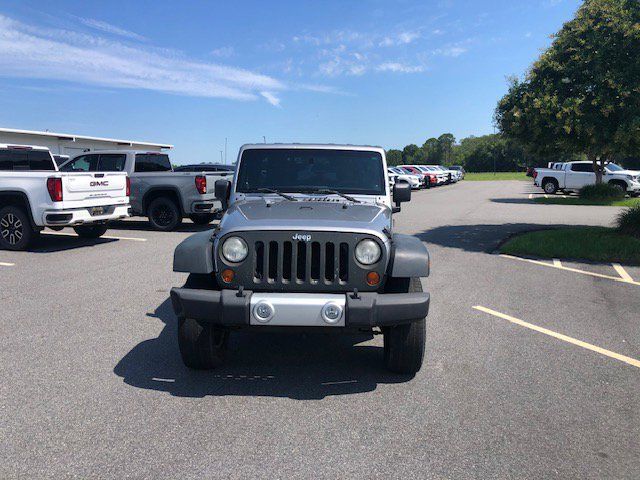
(271, 190)
(327, 191)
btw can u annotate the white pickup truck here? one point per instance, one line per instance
(157, 191)
(34, 194)
(572, 176)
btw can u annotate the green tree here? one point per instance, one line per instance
(583, 94)
(432, 150)
(394, 157)
(446, 141)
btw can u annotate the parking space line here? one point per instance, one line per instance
(560, 336)
(7, 264)
(574, 270)
(622, 272)
(110, 237)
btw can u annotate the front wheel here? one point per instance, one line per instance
(91, 231)
(15, 229)
(202, 346)
(202, 218)
(404, 345)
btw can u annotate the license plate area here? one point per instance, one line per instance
(298, 309)
(95, 211)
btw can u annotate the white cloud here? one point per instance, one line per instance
(397, 67)
(112, 29)
(30, 52)
(223, 52)
(271, 98)
(450, 51)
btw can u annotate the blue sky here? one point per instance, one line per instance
(191, 73)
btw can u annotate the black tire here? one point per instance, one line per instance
(202, 218)
(620, 186)
(91, 231)
(164, 214)
(404, 345)
(550, 186)
(16, 232)
(202, 346)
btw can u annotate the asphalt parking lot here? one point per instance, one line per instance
(93, 386)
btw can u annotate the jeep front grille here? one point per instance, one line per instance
(301, 262)
(280, 261)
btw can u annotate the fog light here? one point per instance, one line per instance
(373, 278)
(263, 312)
(331, 313)
(227, 275)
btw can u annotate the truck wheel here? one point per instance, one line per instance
(202, 218)
(164, 214)
(90, 231)
(15, 229)
(202, 346)
(550, 186)
(622, 187)
(404, 344)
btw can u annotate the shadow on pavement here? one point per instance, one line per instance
(47, 243)
(479, 238)
(302, 367)
(145, 226)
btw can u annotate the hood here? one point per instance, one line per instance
(306, 215)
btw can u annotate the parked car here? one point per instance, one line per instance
(205, 167)
(34, 194)
(293, 253)
(413, 170)
(431, 177)
(460, 169)
(572, 176)
(451, 175)
(157, 192)
(441, 177)
(396, 174)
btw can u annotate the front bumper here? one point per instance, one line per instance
(206, 206)
(234, 309)
(80, 216)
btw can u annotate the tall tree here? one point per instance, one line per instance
(394, 157)
(446, 141)
(583, 94)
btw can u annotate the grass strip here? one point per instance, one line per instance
(596, 244)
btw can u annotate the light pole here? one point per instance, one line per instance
(225, 150)
(264, 139)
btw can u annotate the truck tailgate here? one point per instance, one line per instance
(94, 185)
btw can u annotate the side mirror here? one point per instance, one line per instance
(222, 192)
(401, 194)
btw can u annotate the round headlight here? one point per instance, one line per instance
(368, 252)
(234, 249)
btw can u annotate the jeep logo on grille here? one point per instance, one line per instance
(303, 237)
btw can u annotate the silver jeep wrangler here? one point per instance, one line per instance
(306, 242)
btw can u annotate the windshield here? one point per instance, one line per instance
(300, 170)
(612, 167)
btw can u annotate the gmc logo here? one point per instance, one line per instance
(104, 183)
(302, 237)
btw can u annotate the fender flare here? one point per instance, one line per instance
(195, 254)
(409, 257)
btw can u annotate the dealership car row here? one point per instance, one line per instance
(39, 190)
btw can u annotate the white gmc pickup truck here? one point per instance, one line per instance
(34, 194)
(572, 176)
